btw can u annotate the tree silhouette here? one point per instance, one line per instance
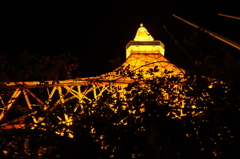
(170, 116)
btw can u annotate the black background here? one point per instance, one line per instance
(99, 31)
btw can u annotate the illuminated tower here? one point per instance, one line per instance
(143, 53)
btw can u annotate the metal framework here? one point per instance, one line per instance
(142, 54)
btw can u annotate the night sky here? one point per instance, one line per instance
(99, 31)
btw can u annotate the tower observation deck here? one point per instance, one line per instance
(142, 53)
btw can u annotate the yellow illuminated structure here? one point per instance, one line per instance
(143, 53)
(144, 43)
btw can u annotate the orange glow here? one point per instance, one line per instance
(143, 34)
(144, 43)
(229, 16)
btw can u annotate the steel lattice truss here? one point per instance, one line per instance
(34, 95)
(144, 56)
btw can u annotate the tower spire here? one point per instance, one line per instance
(142, 34)
(144, 43)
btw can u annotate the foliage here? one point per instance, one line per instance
(170, 116)
(213, 58)
(147, 121)
(28, 67)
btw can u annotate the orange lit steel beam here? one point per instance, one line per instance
(61, 96)
(102, 90)
(79, 92)
(2, 102)
(79, 98)
(94, 92)
(16, 126)
(51, 94)
(73, 92)
(11, 125)
(22, 118)
(45, 107)
(27, 99)
(59, 100)
(14, 97)
(229, 16)
(215, 35)
(76, 94)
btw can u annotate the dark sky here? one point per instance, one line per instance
(99, 31)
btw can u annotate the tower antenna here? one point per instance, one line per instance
(229, 16)
(215, 35)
